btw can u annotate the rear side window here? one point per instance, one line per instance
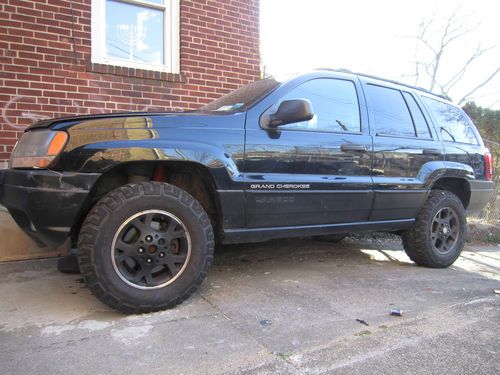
(390, 112)
(334, 102)
(453, 123)
(418, 118)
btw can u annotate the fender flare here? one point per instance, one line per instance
(433, 171)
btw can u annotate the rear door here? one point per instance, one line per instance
(403, 143)
(313, 172)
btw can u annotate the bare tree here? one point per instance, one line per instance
(433, 45)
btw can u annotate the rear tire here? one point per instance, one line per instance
(145, 247)
(438, 235)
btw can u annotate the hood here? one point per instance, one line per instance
(120, 117)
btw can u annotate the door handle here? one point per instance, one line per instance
(431, 151)
(353, 147)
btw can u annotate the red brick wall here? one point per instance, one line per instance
(46, 69)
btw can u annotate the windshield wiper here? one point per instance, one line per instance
(344, 128)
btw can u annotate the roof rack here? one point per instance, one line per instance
(342, 70)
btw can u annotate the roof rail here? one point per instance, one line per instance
(342, 70)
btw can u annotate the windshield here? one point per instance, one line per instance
(242, 97)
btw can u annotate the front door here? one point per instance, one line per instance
(314, 172)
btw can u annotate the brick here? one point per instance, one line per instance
(15, 68)
(54, 94)
(8, 134)
(9, 141)
(16, 83)
(52, 79)
(29, 92)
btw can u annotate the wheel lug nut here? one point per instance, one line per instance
(149, 238)
(140, 250)
(161, 241)
(149, 260)
(162, 255)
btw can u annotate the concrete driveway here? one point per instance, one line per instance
(288, 307)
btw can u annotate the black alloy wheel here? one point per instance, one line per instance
(151, 249)
(445, 230)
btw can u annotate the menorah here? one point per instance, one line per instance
(131, 35)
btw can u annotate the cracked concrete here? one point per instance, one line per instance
(287, 307)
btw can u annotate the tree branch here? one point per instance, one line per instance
(436, 40)
(456, 78)
(490, 77)
(493, 104)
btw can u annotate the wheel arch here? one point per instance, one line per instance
(450, 176)
(190, 176)
(458, 186)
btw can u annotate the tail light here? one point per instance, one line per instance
(488, 166)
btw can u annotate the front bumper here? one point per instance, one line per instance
(45, 204)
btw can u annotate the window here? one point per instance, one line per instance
(390, 112)
(454, 124)
(241, 98)
(418, 118)
(142, 34)
(334, 103)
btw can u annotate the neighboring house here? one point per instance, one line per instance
(66, 57)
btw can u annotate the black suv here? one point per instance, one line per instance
(145, 196)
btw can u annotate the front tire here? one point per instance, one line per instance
(438, 235)
(145, 247)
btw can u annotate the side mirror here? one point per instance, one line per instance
(288, 112)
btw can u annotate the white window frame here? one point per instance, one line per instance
(170, 10)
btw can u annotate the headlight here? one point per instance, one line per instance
(38, 149)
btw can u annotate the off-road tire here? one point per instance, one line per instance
(100, 228)
(417, 240)
(332, 238)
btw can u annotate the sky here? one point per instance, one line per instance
(377, 37)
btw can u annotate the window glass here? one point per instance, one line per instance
(418, 117)
(334, 103)
(134, 32)
(390, 112)
(244, 96)
(453, 122)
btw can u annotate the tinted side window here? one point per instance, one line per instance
(334, 102)
(390, 112)
(453, 122)
(418, 118)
